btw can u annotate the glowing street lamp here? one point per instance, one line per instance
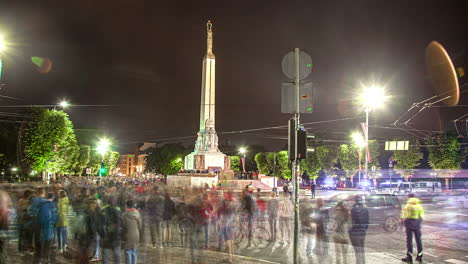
(102, 148)
(64, 104)
(243, 150)
(371, 97)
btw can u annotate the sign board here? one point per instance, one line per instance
(289, 98)
(396, 145)
(88, 171)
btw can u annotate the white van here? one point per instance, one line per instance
(427, 186)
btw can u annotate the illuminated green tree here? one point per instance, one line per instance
(167, 159)
(407, 160)
(110, 160)
(444, 152)
(49, 141)
(235, 163)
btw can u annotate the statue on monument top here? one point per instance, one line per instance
(209, 41)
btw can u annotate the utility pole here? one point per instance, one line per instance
(296, 98)
(296, 167)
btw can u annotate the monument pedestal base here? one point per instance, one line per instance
(206, 161)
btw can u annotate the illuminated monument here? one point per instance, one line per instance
(206, 155)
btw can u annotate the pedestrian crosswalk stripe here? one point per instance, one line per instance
(456, 261)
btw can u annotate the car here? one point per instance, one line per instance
(384, 209)
(328, 186)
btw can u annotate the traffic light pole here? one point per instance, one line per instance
(296, 168)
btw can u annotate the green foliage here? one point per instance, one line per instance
(312, 165)
(349, 158)
(444, 152)
(83, 159)
(327, 156)
(94, 161)
(407, 160)
(110, 160)
(50, 127)
(262, 164)
(167, 159)
(272, 163)
(284, 170)
(374, 153)
(235, 163)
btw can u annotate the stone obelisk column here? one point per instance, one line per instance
(206, 153)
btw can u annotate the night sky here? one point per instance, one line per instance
(145, 58)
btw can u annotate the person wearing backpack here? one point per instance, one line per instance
(47, 219)
(111, 234)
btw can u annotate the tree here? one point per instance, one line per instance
(110, 160)
(328, 157)
(312, 165)
(262, 164)
(349, 159)
(50, 137)
(374, 162)
(444, 152)
(167, 159)
(95, 160)
(235, 163)
(284, 169)
(407, 160)
(272, 162)
(83, 159)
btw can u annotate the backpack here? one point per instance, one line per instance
(79, 224)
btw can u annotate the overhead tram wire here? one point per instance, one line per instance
(249, 130)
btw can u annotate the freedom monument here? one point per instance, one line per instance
(206, 155)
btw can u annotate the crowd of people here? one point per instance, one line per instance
(108, 220)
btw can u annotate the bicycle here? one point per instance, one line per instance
(240, 230)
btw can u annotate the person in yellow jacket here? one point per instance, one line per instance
(412, 215)
(62, 222)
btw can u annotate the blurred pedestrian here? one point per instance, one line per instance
(250, 208)
(132, 226)
(312, 189)
(285, 216)
(154, 217)
(273, 215)
(111, 235)
(24, 224)
(412, 215)
(47, 219)
(322, 218)
(32, 213)
(340, 238)
(168, 215)
(358, 230)
(62, 222)
(226, 216)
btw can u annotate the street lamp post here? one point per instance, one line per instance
(102, 148)
(360, 142)
(243, 150)
(371, 97)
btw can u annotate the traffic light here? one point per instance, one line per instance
(102, 170)
(301, 141)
